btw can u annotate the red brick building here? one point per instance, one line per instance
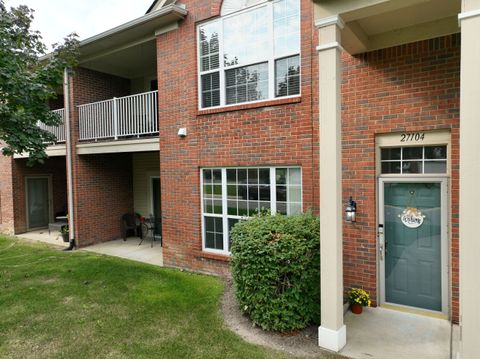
(205, 112)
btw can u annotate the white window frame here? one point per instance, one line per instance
(225, 216)
(270, 60)
(422, 160)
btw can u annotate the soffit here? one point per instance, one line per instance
(131, 62)
(130, 32)
(409, 16)
(129, 50)
(376, 24)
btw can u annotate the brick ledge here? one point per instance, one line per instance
(248, 106)
(207, 255)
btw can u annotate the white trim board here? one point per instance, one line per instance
(139, 145)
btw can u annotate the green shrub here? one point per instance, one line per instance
(276, 270)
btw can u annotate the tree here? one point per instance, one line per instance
(28, 80)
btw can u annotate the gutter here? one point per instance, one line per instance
(68, 148)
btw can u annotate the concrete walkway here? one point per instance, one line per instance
(129, 249)
(390, 334)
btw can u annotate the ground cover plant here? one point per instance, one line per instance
(80, 305)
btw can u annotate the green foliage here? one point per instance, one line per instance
(28, 81)
(276, 269)
(359, 296)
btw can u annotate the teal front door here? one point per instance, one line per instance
(413, 244)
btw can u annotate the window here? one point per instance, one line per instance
(251, 55)
(418, 159)
(230, 194)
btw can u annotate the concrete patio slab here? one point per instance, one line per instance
(42, 235)
(390, 334)
(130, 249)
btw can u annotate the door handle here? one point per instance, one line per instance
(381, 242)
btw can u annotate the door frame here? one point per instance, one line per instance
(444, 248)
(50, 200)
(152, 206)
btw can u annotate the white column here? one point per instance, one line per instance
(332, 332)
(469, 179)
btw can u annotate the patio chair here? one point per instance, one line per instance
(130, 222)
(151, 226)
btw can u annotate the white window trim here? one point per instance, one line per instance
(225, 216)
(270, 61)
(421, 160)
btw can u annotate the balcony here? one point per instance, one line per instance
(58, 131)
(129, 117)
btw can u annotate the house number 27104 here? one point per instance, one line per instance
(412, 137)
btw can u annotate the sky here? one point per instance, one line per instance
(57, 18)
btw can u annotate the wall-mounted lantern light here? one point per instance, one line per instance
(351, 211)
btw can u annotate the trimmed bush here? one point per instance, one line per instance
(276, 270)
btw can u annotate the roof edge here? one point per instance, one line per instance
(178, 10)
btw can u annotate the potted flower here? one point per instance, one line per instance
(64, 233)
(358, 299)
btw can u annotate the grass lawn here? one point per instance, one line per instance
(81, 305)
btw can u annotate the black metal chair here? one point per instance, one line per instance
(130, 222)
(150, 226)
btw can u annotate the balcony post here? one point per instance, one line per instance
(115, 119)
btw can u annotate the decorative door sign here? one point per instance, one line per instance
(412, 217)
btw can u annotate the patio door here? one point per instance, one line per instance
(413, 243)
(38, 202)
(156, 208)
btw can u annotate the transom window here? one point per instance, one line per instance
(418, 159)
(230, 194)
(250, 55)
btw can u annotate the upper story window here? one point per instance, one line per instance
(250, 55)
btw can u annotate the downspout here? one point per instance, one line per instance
(68, 145)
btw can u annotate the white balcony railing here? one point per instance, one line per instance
(134, 115)
(58, 131)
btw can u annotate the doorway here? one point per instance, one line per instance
(413, 243)
(38, 201)
(156, 207)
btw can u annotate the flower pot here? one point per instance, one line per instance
(65, 237)
(356, 308)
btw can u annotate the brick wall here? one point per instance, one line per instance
(413, 87)
(54, 167)
(92, 86)
(102, 183)
(280, 132)
(104, 193)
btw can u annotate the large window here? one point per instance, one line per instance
(251, 55)
(230, 194)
